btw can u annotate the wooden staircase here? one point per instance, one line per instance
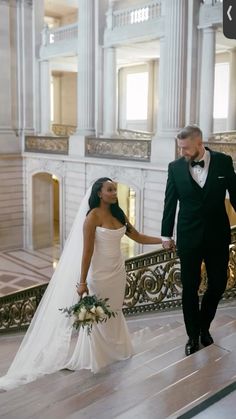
(159, 382)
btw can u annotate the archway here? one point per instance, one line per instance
(127, 201)
(45, 210)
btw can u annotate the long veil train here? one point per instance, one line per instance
(45, 346)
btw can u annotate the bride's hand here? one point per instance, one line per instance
(82, 289)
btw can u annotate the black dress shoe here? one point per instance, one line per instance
(191, 346)
(206, 338)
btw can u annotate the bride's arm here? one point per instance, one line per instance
(88, 247)
(133, 234)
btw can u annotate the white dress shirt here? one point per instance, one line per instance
(198, 173)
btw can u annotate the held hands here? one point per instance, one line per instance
(168, 244)
(82, 288)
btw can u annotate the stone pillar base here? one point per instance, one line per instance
(9, 142)
(163, 150)
(77, 145)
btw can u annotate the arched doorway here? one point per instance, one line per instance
(45, 210)
(127, 201)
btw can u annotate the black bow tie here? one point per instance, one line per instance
(199, 163)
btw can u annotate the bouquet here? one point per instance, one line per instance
(88, 310)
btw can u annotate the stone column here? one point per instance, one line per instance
(86, 68)
(38, 29)
(9, 143)
(207, 82)
(231, 120)
(45, 87)
(86, 77)
(172, 81)
(192, 63)
(110, 89)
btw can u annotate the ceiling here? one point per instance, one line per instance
(138, 53)
(59, 8)
(223, 44)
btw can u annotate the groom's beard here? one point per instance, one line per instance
(192, 158)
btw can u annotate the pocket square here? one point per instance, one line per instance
(221, 177)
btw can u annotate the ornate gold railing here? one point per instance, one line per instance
(118, 148)
(46, 144)
(135, 135)
(224, 142)
(63, 130)
(153, 283)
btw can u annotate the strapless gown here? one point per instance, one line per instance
(109, 341)
(47, 352)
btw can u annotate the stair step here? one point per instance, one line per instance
(83, 391)
(192, 388)
(120, 397)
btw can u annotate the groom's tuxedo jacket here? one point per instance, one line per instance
(202, 216)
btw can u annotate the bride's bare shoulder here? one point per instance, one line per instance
(94, 217)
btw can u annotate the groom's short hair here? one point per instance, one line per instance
(190, 131)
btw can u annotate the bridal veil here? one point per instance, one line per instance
(46, 344)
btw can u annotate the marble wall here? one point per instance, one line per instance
(11, 201)
(75, 177)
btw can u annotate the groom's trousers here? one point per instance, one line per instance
(216, 258)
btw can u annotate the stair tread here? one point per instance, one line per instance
(89, 393)
(114, 395)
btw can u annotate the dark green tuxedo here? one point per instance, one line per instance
(203, 233)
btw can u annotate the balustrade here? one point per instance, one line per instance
(153, 283)
(63, 33)
(130, 16)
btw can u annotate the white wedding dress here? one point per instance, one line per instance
(108, 341)
(47, 344)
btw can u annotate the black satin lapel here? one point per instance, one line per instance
(187, 175)
(211, 174)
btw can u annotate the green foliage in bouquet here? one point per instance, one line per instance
(88, 310)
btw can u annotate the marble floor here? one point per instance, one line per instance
(20, 268)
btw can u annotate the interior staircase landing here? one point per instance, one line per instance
(158, 382)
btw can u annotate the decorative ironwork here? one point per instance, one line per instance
(225, 137)
(153, 283)
(63, 130)
(136, 135)
(17, 309)
(116, 148)
(43, 144)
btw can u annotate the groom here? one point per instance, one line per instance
(199, 181)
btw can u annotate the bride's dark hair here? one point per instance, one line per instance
(94, 200)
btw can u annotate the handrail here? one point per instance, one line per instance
(153, 283)
(138, 14)
(52, 36)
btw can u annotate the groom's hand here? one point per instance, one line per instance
(168, 244)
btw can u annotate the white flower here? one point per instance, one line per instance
(82, 314)
(90, 316)
(93, 310)
(100, 311)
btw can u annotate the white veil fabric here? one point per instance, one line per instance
(46, 344)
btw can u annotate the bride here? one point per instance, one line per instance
(91, 262)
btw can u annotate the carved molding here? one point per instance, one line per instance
(210, 14)
(63, 130)
(36, 144)
(124, 149)
(135, 178)
(44, 165)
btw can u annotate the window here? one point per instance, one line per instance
(137, 96)
(221, 91)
